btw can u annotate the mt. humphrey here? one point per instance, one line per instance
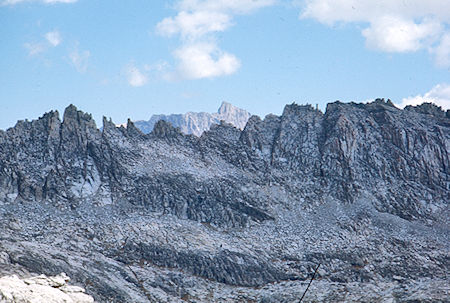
(234, 215)
(197, 123)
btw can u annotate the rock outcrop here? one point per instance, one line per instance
(41, 289)
(233, 215)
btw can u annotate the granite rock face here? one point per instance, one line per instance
(233, 215)
(197, 123)
(41, 289)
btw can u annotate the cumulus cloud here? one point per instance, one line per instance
(80, 60)
(391, 25)
(439, 95)
(205, 60)
(135, 77)
(196, 23)
(395, 34)
(12, 2)
(54, 38)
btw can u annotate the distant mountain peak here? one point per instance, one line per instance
(198, 122)
(227, 107)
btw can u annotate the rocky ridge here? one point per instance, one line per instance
(197, 123)
(234, 215)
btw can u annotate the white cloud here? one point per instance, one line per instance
(333, 11)
(34, 48)
(439, 95)
(205, 60)
(394, 34)
(54, 38)
(12, 2)
(196, 23)
(230, 6)
(80, 59)
(391, 25)
(442, 51)
(135, 77)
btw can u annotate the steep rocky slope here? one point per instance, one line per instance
(197, 123)
(234, 215)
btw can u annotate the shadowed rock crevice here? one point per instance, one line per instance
(225, 266)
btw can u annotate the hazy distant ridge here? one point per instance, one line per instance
(197, 123)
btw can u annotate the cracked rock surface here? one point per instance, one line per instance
(234, 215)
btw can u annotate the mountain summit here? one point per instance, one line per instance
(197, 123)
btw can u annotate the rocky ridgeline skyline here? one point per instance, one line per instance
(233, 215)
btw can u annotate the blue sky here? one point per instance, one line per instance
(137, 58)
